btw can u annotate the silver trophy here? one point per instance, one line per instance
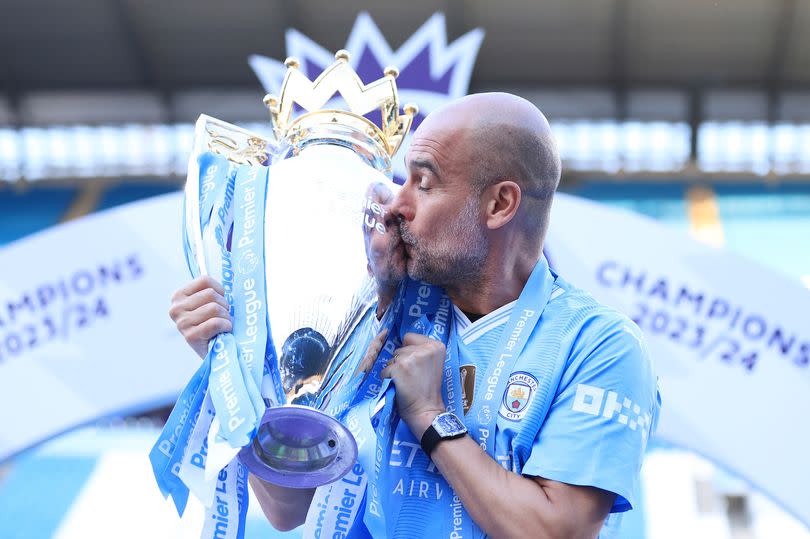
(322, 166)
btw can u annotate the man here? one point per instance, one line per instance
(474, 213)
(473, 216)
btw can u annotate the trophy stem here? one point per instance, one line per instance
(299, 447)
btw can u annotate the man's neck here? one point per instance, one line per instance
(496, 287)
(484, 297)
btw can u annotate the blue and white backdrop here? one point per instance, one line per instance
(84, 332)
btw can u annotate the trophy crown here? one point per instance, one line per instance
(361, 99)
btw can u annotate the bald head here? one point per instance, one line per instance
(504, 137)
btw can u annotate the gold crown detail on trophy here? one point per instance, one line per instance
(360, 98)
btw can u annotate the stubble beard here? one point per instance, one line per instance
(454, 260)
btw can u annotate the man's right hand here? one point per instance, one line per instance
(200, 312)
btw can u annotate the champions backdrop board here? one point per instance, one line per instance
(84, 329)
(730, 340)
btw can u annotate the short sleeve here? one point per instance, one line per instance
(606, 407)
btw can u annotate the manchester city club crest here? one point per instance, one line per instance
(518, 396)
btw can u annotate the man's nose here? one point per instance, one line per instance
(400, 207)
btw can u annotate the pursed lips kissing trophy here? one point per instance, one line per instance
(280, 224)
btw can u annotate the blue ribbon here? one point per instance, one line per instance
(168, 450)
(235, 378)
(423, 309)
(419, 308)
(516, 333)
(226, 517)
(232, 215)
(167, 453)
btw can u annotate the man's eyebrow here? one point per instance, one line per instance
(424, 163)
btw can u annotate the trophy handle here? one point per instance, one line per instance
(299, 447)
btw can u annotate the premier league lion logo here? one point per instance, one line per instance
(431, 71)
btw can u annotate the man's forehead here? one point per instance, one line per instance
(431, 148)
(438, 139)
(421, 155)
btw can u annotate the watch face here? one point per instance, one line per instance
(447, 424)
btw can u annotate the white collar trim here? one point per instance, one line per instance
(470, 331)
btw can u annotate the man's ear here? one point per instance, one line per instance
(502, 203)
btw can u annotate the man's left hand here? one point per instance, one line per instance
(416, 368)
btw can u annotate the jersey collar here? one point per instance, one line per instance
(470, 331)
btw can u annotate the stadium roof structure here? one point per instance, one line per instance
(152, 44)
(690, 71)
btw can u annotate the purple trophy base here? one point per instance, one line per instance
(299, 447)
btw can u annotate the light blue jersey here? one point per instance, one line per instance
(605, 407)
(606, 403)
(591, 429)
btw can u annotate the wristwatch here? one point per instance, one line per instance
(446, 426)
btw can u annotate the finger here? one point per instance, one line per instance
(372, 352)
(200, 283)
(377, 342)
(201, 315)
(208, 330)
(374, 348)
(388, 371)
(405, 354)
(182, 307)
(414, 339)
(207, 295)
(419, 344)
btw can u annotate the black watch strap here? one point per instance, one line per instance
(431, 438)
